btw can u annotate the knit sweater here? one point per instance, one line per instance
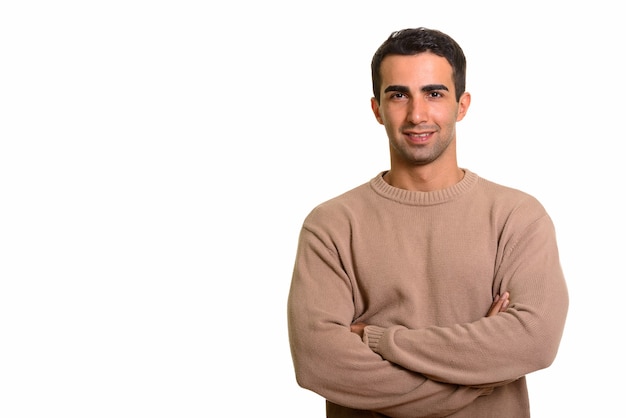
(422, 269)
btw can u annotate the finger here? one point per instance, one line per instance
(500, 304)
(505, 302)
(496, 306)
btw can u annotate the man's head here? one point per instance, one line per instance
(415, 41)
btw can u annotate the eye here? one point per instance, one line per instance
(435, 94)
(397, 96)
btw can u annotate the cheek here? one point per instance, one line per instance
(392, 116)
(447, 117)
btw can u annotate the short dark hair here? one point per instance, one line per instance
(418, 40)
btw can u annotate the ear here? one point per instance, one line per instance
(376, 109)
(464, 103)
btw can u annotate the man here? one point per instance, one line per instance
(427, 291)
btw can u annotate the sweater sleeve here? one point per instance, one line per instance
(494, 350)
(335, 363)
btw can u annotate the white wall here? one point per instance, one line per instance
(158, 158)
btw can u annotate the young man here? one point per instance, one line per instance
(427, 291)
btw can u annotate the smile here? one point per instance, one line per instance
(418, 137)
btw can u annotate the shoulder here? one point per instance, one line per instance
(341, 204)
(503, 194)
(511, 204)
(339, 212)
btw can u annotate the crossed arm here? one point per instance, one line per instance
(499, 305)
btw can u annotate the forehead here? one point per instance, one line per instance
(423, 68)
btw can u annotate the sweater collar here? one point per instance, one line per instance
(408, 197)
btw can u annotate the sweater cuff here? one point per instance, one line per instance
(372, 335)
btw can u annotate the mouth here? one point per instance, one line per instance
(418, 137)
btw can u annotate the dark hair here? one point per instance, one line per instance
(415, 41)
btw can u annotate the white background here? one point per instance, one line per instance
(157, 160)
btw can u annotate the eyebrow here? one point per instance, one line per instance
(427, 88)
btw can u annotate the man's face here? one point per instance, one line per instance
(418, 108)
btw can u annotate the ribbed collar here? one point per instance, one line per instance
(408, 197)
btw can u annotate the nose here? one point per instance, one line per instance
(417, 111)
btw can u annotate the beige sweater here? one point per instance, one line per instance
(422, 269)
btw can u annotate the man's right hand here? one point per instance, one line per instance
(500, 303)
